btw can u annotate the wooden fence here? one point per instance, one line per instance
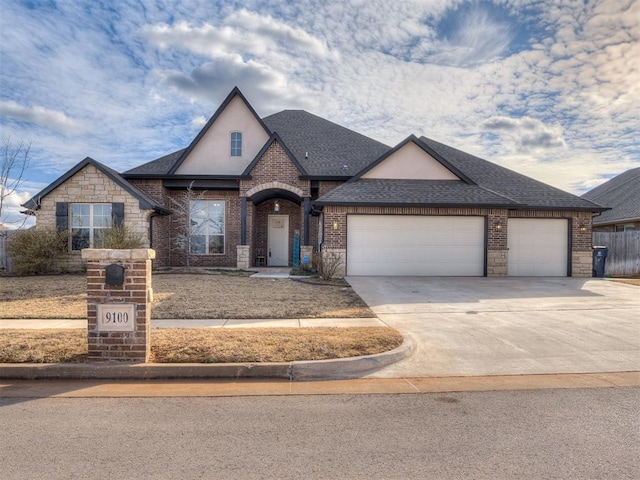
(624, 252)
(5, 261)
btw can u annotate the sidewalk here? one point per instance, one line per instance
(204, 323)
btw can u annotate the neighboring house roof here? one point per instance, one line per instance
(622, 194)
(483, 183)
(145, 201)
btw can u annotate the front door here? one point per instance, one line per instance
(278, 254)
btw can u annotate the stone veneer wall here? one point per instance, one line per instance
(335, 239)
(90, 185)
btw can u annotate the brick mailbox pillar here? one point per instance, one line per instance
(118, 304)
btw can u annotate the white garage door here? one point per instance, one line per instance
(415, 245)
(538, 247)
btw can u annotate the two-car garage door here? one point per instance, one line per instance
(415, 245)
(451, 245)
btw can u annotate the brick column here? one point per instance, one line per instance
(118, 304)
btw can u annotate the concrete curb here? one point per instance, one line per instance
(341, 368)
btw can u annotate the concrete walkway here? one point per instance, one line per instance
(204, 323)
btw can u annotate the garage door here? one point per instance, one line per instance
(415, 245)
(538, 247)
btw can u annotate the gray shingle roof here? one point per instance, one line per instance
(329, 146)
(161, 166)
(145, 201)
(622, 194)
(518, 187)
(495, 186)
(442, 193)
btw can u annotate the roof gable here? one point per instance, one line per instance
(145, 202)
(209, 152)
(411, 156)
(324, 149)
(408, 161)
(274, 138)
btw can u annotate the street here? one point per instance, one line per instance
(568, 434)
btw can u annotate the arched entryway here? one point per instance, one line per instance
(275, 222)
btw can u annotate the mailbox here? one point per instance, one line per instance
(114, 274)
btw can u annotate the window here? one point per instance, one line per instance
(629, 227)
(236, 144)
(207, 227)
(87, 222)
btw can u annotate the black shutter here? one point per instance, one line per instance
(62, 216)
(117, 212)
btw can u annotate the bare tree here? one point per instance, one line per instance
(15, 159)
(184, 212)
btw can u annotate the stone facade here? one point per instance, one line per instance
(90, 185)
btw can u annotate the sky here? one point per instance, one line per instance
(549, 88)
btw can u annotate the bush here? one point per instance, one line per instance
(120, 237)
(38, 250)
(327, 264)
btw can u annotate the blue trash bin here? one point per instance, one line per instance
(599, 259)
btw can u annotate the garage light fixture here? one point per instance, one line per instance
(335, 225)
(583, 227)
(497, 226)
(276, 206)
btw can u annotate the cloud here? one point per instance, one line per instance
(41, 116)
(527, 133)
(475, 36)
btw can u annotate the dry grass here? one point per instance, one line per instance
(209, 345)
(628, 281)
(187, 296)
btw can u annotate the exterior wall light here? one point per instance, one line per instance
(498, 226)
(335, 225)
(583, 227)
(276, 206)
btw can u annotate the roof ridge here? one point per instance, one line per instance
(605, 191)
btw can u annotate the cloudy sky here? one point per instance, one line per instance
(548, 88)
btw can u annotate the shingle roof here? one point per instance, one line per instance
(495, 186)
(622, 194)
(145, 201)
(442, 193)
(518, 187)
(329, 146)
(161, 166)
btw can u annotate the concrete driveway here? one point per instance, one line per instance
(487, 326)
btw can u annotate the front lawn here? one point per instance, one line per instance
(208, 296)
(209, 345)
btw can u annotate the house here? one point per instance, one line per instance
(622, 194)
(266, 185)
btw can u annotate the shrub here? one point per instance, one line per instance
(327, 264)
(38, 250)
(120, 237)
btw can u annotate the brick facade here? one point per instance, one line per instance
(335, 231)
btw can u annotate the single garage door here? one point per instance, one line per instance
(538, 247)
(415, 245)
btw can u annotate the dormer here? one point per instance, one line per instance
(227, 143)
